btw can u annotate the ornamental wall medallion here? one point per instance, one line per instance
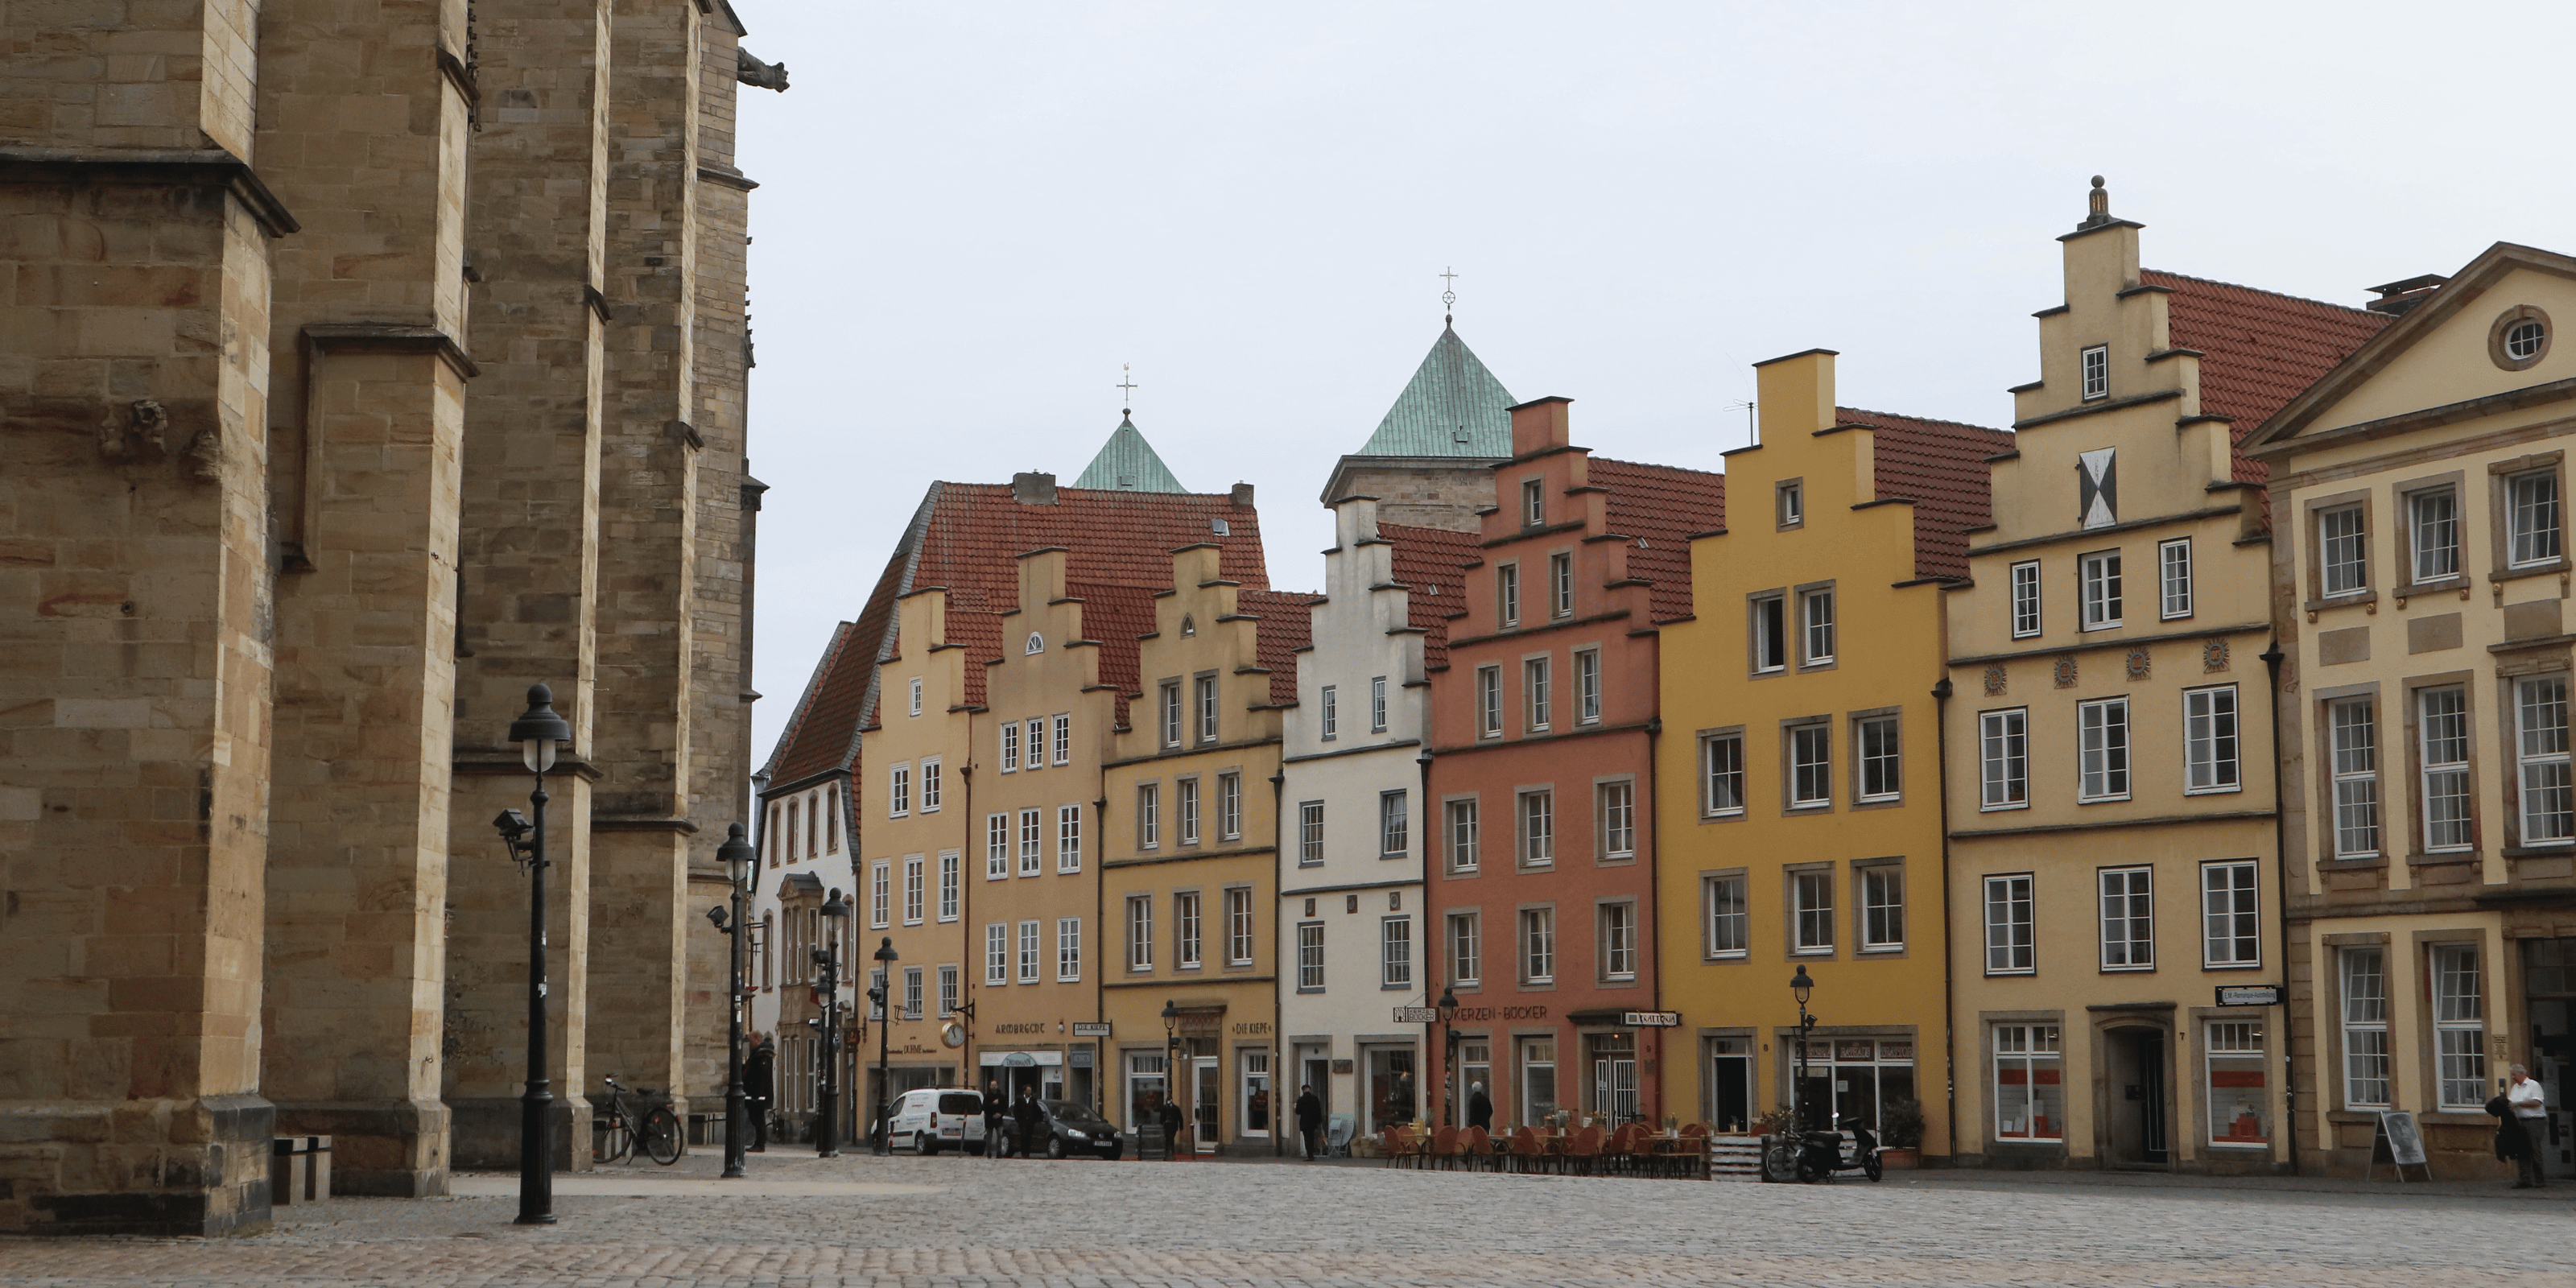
(2066, 672)
(2213, 656)
(2139, 663)
(1994, 681)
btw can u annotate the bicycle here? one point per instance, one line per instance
(647, 1121)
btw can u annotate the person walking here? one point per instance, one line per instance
(1310, 1122)
(759, 1088)
(996, 1112)
(1480, 1108)
(1029, 1119)
(1171, 1119)
(2526, 1123)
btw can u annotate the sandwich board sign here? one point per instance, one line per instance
(2396, 1141)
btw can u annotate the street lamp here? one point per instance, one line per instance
(826, 1139)
(882, 996)
(1449, 1098)
(1171, 1066)
(738, 856)
(1799, 987)
(537, 731)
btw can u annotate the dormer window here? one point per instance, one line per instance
(1037, 643)
(1219, 526)
(2097, 372)
(1793, 503)
(1533, 504)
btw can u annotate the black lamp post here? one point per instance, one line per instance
(1449, 1088)
(537, 731)
(882, 999)
(827, 1142)
(1799, 987)
(1171, 1063)
(737, 855)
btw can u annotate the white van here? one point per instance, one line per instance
(930, 1119)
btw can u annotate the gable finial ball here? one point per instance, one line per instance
(2097, 181)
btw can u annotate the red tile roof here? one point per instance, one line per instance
(1658, 507)
(967, 538)
(1429, 560)
(2261, 348)
(1287, 624)
(1940, 465)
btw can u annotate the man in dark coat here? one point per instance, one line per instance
(1310, 1123)
(996, 1110)
(1171, 1119)
(1030, 1120)
(759, 1087)
(1480, 1108)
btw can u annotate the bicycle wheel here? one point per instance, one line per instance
(618, 1142)
(1780, 1162)
(662, 1139)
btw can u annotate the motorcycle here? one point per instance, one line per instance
(1813, 1156)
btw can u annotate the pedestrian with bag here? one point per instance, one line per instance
(2522, 1117)
(1310, 1123)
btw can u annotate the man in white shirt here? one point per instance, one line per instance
(2522, 1095)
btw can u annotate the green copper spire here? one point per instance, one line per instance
(1453, 407)
(1127, 463)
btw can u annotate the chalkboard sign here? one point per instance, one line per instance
(2397, 1141)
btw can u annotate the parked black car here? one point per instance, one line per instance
(1072, 1128)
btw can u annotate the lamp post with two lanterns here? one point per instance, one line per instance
(737, 854)
(538, 731)
(827, 1142)
(881, 1001)
(1171, 1064)
(1449, 1089)
(1799, 987)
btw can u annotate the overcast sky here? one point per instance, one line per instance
(972, 214)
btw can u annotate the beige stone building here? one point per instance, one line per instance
(2420, 586)
(364, 365)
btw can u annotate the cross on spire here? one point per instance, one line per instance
(1448, 296)
(1127, 388)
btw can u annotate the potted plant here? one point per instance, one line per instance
(1900, 1123)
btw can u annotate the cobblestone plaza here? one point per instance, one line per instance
(965, 1221)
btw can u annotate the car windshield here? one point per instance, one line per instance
(1074, 1115)
(961, 1102)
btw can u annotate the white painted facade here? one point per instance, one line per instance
(1352, 751)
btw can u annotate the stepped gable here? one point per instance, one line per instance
(1427, 559)
(1658, 507)
(1940, 465)
(1286, 625)
(1115, 618)
(1453, 406)
(2260, 349)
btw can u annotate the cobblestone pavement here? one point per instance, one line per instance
(1085, 1224)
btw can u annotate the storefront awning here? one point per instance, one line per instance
(1019, 1059)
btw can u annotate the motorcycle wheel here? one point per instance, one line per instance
(662, 1138)
(1810, 1171)
(1869, 1163)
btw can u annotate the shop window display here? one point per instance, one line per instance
(2030, 1096)
(2238, 1114)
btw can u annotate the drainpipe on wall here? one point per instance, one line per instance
(1105, 1053)
(1654, 888)
(1278, 1029)
(2273, 657)
(1949, 984)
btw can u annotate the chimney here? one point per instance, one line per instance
(1243, 495)
(1033, 489)
(2396, 298)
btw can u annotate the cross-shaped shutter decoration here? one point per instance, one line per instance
(2097, 488)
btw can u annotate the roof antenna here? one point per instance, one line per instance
(1127, 389)
(1449, 298)
(1752, 432)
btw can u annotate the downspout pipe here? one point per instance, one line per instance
(1949, 974)
(1278, 1061)
(2273, 657)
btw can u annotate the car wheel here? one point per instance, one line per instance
(923, 1145)
(1055, 1146)
(1112, 1155)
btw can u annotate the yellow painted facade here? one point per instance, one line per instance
(1189, 885)
(1737, 864)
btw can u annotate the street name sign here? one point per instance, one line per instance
(1416, 1014)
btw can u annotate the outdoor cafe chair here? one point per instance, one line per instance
(1584, 1150)
(1480, 1148)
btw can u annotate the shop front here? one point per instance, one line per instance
(1051, 1072)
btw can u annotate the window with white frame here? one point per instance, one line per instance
(2210, 755)
(2230, 930)
(831, 812)
(1882, 908)
(2433, 534)
(1721, 760)
(2173, 579)
(912, 999)
(1068, 950)
(881, 893)
(1186, 795)
(1010, 746)
(899, 791)
(930, 786)
(1534, 682)
(1171, 707)
(2098, 586)
(2540, 752)
(2102, 731)
(997, 846)
(1615, 804)
(1560, 585)
(1229, 807)
(1792, 497)
(2531, 519)
(1032, 842)
(2003, 759)
(1310, 833)
(997, 953)
(1187, 938)
(1395, 952)
(1815, 627)
(951, 885)
(2128, 918)
(1727, 914)
(1328, 712)
(2353, 741)
(2097, 372)
(1618, 941)
(1030, 966)
(2459, 1027)
(1036, 744)
(877, 996)
(1207, 708)
(1770, 631)
(1149, 816)
(1310, 957)
(2030, 1095)
(1462, 835)
(1880, 750)
(2010, 926)
(1377, 704)
(1238, 926)
(949, 986)
(1587, 686)
(2025, 599)
(1466, 953)
(1140, 932)
(1538, 945)
(916, 895)
(2343, 551)
(1507, 593)
(1538, 828)
(2365, 1027)
(1489, 702)
(2240, 1111)
(1533, 503)
(1394, 827)
(1811, 907)
(1068, 838)
(1063, 739)
(1811, 766)
(916, 695)
(2442, 720)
